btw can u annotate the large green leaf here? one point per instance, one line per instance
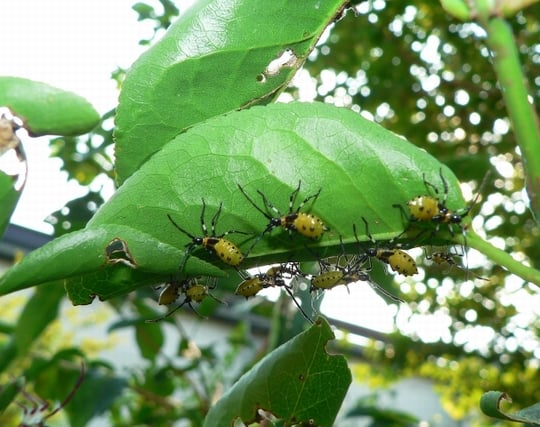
(298, 382)
(210, 62)
(362, 170)
(47, 110)
(81, 260)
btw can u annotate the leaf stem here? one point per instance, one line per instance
(520, 110)
(503, 258)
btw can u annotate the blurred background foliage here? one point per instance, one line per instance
(420, 73)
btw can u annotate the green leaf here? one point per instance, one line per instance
(80, 257)
(490, 405)
(98, 391)
(362, 170)
(308, 384)
(457, 8)
(40, 310)
(150, 339)
(361, 167)
(7, 354)
(9, 197)
(47, 110)
(208, 63)
(9, 391)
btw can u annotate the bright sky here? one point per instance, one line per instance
(75, 45)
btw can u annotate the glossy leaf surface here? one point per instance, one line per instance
(80, 259)
(361, 168)
(210, 62)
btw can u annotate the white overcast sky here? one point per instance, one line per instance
(75, 45)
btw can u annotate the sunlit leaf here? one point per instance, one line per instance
(210, 62)
(361, 168)
(47, 110)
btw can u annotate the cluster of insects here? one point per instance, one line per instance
(430, 211)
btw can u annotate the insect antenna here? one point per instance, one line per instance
(250, 200)
(191, 236)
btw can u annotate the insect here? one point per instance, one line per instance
(398, 260)
(447, 259)
(39, 405)
(274, 276)
(344, 270)
(226, 250)
(304, 223)
(192, 290)
(328, 280)
(252, 285)
(432, 208)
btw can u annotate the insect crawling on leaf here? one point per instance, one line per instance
(274, 276)
(398, 260)
(192, 289)
(433, 208)
(448, 260)
(303, 223)
(344, 270)
(226, 250)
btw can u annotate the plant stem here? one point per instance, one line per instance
(520, 111)
(502, 258)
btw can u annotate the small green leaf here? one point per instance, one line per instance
(457, 8)
(47, 110)
(9, 197)
(308, 384)
(490, 404)
(9, 391)
(210, 62)
(150, 339)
